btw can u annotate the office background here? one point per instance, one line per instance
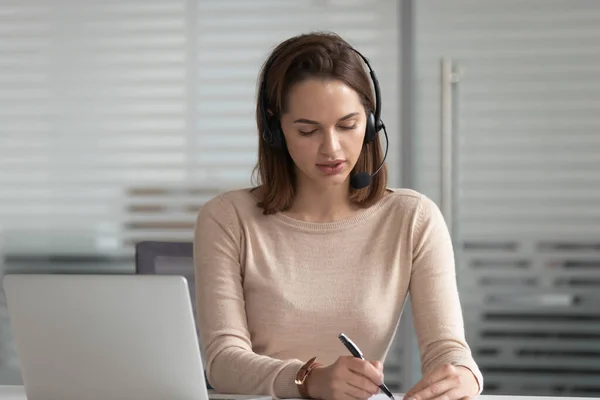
(118, 119)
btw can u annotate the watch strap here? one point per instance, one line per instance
(302, 375)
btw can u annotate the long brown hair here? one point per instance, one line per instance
(311, 55)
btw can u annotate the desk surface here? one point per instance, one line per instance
(18, 393)
(10, 392)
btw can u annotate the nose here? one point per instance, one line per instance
(331, 142)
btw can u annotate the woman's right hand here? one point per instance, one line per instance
(349, 378)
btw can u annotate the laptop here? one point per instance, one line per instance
(99, 337)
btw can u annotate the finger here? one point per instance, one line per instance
(351, 396)
(418, 387)
(433, 390)
(437, 375)
(378, 365)
(357, 392)
(436, 389)
(454, 394)
(362, 383)
(366, 369)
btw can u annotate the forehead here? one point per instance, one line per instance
(320, 98)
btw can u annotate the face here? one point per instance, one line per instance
(324, 128)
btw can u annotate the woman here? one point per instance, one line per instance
(283, 268)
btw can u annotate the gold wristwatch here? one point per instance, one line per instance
(302, 375)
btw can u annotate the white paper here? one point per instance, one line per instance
(383, 396)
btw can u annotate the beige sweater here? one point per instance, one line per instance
(273, 291)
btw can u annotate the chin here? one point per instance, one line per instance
(332, 181)
(317, 178)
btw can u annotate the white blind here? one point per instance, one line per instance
(93, 102)
(527, 189)
(118, 119)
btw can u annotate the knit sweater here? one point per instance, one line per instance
(273, 291)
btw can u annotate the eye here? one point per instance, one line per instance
(347, 128)
(306, 133)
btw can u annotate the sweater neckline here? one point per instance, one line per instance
(348, 222)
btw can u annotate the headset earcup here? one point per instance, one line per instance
(272, 133)
(267, 135)
(371, 129)
(276, 133)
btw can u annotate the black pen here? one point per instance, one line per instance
(357, 353)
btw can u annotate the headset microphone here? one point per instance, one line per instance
(363, 179)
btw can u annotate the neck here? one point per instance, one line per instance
(322, 204)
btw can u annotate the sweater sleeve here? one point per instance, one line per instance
(434, 295)
(231, 365)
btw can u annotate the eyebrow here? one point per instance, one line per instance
(308, 121)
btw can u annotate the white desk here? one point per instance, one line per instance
(18, 393)
(8, 392)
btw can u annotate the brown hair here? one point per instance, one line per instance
(311, 55)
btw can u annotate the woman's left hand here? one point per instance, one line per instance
(447, 382)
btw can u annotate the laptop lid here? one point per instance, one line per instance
(101, 337)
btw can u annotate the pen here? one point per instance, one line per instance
(357, 353)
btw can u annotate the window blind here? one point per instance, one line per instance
(93, 101)
(119, 119)
(525, 186)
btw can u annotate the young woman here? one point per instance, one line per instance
(321, 246)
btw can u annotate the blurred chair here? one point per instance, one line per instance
(168, 258)
(151, 255)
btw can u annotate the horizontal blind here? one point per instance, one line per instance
(118, 120)
(527, 187)
(93, 101)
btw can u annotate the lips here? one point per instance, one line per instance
(331, 167)
(330, 163)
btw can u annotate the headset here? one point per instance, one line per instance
(272, 133)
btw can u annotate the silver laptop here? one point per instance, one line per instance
(99, 337)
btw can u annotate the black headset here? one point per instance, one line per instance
(272, 133)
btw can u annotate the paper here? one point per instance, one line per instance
(215, 396)
(383, 396)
